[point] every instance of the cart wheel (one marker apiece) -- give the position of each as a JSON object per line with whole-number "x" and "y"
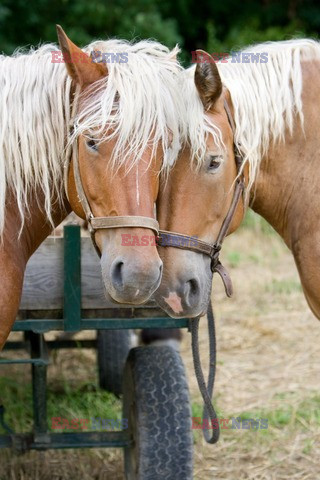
{"x": 156, "y": 406}
{"x": 112, "y": 350}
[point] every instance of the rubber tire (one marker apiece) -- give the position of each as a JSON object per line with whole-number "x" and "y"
{"x": 157, "y": 407}
{"x": 113, "y": 347}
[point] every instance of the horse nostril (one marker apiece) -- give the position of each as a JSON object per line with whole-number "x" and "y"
{"x": 192, "y": 290}
{"x": 116, "y": 274}
{"x": 193, "y": 286}
{"x": 133, "y": 279}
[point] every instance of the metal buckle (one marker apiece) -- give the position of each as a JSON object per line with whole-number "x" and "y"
{"x": 91, "y": 230}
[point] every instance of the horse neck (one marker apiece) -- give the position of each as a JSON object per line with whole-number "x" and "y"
{"x": 285, "y": 192}
{"x": 273, "y": 193}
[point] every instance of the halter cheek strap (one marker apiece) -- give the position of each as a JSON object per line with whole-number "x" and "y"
{"x": 102, "y": 223}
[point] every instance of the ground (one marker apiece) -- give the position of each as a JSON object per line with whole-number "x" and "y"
{"x": 268, "y": 367}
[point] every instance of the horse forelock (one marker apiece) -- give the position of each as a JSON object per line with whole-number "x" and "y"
{"x": 139, "y": 100}
{"x": 138, "y": 104}
{"x": 266, "y": 97}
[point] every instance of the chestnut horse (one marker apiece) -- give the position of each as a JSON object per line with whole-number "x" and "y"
{"x": 125, "y": 130}
{"x": 275, "y": 109}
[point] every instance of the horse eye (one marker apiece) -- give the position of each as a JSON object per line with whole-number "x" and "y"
{"x": 215, "y": 162}
{"x": 92, "y": 144}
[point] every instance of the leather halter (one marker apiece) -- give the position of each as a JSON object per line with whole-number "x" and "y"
{"x": 199, "y": 246}
{"x": 102, "y": 223}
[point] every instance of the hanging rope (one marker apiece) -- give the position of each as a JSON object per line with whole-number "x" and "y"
{"x": 209, "y": 416}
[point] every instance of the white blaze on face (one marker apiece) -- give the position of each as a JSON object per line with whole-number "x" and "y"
{"x": 137, "y": 186}
{"x": 174, "y": 302}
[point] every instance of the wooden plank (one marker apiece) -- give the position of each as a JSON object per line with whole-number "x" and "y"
{"x": 43, "y": 282}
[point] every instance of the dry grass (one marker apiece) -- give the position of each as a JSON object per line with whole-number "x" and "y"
{"x": 268, "y": 361}
{"x": 268, "y": 365}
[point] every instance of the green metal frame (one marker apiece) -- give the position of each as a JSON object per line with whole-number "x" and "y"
{"x": 72, "y": 321}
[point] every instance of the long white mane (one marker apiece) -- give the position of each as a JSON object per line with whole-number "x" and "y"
{"x": 266, "y": 99}
{"x": 140, "y": 100}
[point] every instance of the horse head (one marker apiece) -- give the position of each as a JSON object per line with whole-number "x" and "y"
{"x": 198, "y": 195}
{"x": 125, "y": 131}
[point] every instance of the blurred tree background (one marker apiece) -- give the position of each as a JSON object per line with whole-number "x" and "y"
{"x": 216, "y": 26}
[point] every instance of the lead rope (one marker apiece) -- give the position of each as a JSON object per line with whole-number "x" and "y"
{"x": 209, "y": 416}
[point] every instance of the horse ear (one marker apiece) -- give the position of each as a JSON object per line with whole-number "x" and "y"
{"x": 80, "y": 66}
{"x": 207, "y": 80}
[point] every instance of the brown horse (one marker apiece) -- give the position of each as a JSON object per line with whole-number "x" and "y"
{"x": 275, "y": 109}
{"x": 124, "y": 113}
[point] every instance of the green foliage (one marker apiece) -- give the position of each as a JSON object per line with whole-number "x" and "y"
{"x": 234, "y": 258}
{"x": 84, "y": 401}
{"x": 306, "y": 413}
{"x": 253, "y": 221}
{"x": 83, "y": 21}
{"x": 250, "y": 33}
{"x": 214, "y": 26}
{"x": 286, "y": 287}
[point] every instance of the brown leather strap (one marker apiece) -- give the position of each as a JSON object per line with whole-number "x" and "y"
{"x": 236, "y": 147}
{"x": 225, "y": 277}
{"x": 229, "y": 115}
{"x": 78, "y": 182}
{"x": 185, "y": 242}
{"x": 238, "y": 191}
{"x": 99, "y": 223}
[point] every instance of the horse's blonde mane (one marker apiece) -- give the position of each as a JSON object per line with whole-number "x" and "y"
{"x": 266, "y": 99}
{"x": 140, "y": 100}
{"x": 34, "y": 117}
